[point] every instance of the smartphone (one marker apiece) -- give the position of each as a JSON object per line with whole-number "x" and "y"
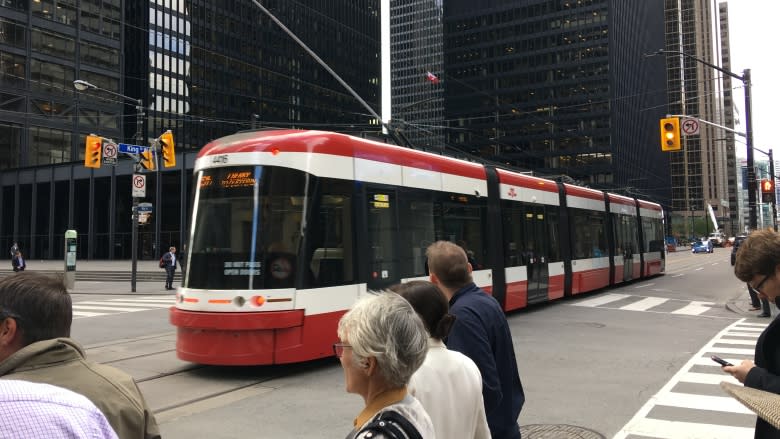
{"x": 720, "y": 361}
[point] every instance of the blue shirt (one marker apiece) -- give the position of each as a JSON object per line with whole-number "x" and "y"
{"x": 481, "y": 332}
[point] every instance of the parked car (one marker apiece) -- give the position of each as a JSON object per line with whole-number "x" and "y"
{"x": 703, "y": 246}
{"x": 737, "y": 241}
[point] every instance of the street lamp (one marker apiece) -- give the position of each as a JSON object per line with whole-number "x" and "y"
{"x": 751, "y": 172}
{"x": 82, "y": 85}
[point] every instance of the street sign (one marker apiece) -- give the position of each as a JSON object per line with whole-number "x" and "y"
{"x": 144, "y": 207}
{"x": 132, "y": 149}
{"x": 109, "y": 153}
{"x": 139, "y": 186}
{"x": 690, "y": 127}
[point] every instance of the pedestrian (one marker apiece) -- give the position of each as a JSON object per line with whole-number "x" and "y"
{"x": 755, "y": 303}
{"x": 14, "y": 249}
{"x": 18, "y": 262}
{"x": 481, "y": 332}
{"x": 36, "y": 313}
{"x": 758, "y": 264}
{"x": 34, "y": 410}
{"x": 448, "y": 384}
{"x": 382, "y": 342}
{"x": 169, "y": 260}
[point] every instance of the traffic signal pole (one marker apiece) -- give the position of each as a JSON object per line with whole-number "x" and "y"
{"x": 139, "y": 137}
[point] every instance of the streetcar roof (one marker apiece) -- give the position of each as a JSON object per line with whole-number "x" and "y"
{"x": 322, "y": 142}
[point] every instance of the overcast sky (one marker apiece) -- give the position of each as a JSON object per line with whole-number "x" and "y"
{"x": 755, "y": 47}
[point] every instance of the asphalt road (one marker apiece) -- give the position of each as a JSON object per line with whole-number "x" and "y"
{"x": 596, "y": 361}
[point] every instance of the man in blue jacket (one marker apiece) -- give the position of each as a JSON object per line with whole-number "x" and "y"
{"x": 480, "y": 332}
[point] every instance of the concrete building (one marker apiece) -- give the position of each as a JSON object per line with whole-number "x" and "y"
{"x": 700, "y": 171}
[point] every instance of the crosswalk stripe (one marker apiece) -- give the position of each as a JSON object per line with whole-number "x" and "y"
{"x": 748, "y": 342}
{"x": 644, "y": 304}
{"x": 143, "y": 304}
{"x": 694, "y": 308}
{"x": 164, "y": 299}
{"x": 657, "y": 428}
{"x": 708, "y": 378}
{"x": 88, "y": 314}
{"x": 108, "y": 308}
{"x": 602, "y": 300}
{"x": 690, "y": 401}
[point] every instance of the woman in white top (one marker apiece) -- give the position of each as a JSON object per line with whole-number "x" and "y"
{"x": 448, "y": 384}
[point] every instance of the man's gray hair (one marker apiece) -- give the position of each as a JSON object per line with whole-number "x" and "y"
{"x": 386, "y": 327}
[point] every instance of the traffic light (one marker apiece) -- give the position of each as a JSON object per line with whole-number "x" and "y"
{"x": 670, "y": 134}
{"x": 93, "y": 151}
{"x": 168, "y": 153}
{"x": 147, "y": 160}
{"x": 767, "y": 189}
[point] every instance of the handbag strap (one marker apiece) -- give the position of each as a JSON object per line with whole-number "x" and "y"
{"x": 392, "y": 425}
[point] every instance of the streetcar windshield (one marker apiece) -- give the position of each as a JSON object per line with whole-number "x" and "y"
{"x": 246, "y": 227}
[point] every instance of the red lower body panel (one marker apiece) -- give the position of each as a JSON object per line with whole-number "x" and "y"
{"x": 584, "y": 281}
{"x": 516, "y": 295}
{"x": 241, "y": 339}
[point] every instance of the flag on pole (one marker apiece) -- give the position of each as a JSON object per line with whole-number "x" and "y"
{"x": 431, "y": 77}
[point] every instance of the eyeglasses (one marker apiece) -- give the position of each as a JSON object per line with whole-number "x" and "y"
{"x": 338, "y": 348}
{"x": 758, "y": 287}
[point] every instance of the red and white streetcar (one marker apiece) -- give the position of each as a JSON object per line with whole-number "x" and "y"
{"x": 290, "y": 227}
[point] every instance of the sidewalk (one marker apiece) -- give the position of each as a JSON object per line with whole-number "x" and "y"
{"x": 741, "y": 305}
{"x": 150, "y": 279}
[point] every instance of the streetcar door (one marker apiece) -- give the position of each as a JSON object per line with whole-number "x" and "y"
{"x": 382, "y": 239}
{"x": 537, "y": 249}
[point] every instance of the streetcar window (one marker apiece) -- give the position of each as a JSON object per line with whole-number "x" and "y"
{"x": 588, "y": 234}
{"x": 625, "y": 231}
{"x": 246, "y": 228}
{"x": 461, "y": 219}
{"x": 329, "y": 235}
{"x": 416, "y": 231}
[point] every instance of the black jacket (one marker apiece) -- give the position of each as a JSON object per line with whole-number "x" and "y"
{"x": 481, "y": 332}
{"x": 766, "y": 374}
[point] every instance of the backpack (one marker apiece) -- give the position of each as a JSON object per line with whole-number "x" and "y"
{"x": 391, "y": 425}
{"x": 162, "y": 262}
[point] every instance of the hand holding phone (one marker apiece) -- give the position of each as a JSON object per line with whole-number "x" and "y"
{"x": 720, "y": 361}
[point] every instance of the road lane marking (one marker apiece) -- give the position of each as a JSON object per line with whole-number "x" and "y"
{"x": 694, "y": 308}
{"x": 644, "y": 304}
{"x": 107, "y": 308}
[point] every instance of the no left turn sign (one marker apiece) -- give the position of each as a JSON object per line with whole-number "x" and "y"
{"x": 139, "y": 185}
{"x": 690, "y": 127}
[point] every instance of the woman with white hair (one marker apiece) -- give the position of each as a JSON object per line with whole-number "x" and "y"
{"x": 383, "y": 342}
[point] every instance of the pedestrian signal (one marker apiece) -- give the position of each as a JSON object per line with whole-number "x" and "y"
{"x": 767, "y": 186}
{"x": 147, "y": 160}
{"x": 166, "y": 146}
{"x": 670, "y": 134}
{"x": 93, "y": 151}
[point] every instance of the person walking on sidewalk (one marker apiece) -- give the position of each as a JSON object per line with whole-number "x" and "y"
{"x": 169, "y": 260}
{"x": 18, "y": 262}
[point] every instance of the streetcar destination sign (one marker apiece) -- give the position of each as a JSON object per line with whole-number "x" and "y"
{"x": 132, "y": 149}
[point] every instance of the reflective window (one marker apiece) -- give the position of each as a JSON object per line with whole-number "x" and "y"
{"x": 50, "y": 77}
{"x": 48, "y": 146}
{"x": 15, "y": 4}
{"x": 99, "y": 55}
{"x": 11, "y": 141}
{"x": 12, "y": 32}
{"x": 51, "y": 43}
{"x": 588, "y": 234}
{"x": 12, "y": 69}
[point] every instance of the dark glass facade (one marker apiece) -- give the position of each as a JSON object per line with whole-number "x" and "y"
{"x": 561, "y": 88}
{"x": 202, "y": 69}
